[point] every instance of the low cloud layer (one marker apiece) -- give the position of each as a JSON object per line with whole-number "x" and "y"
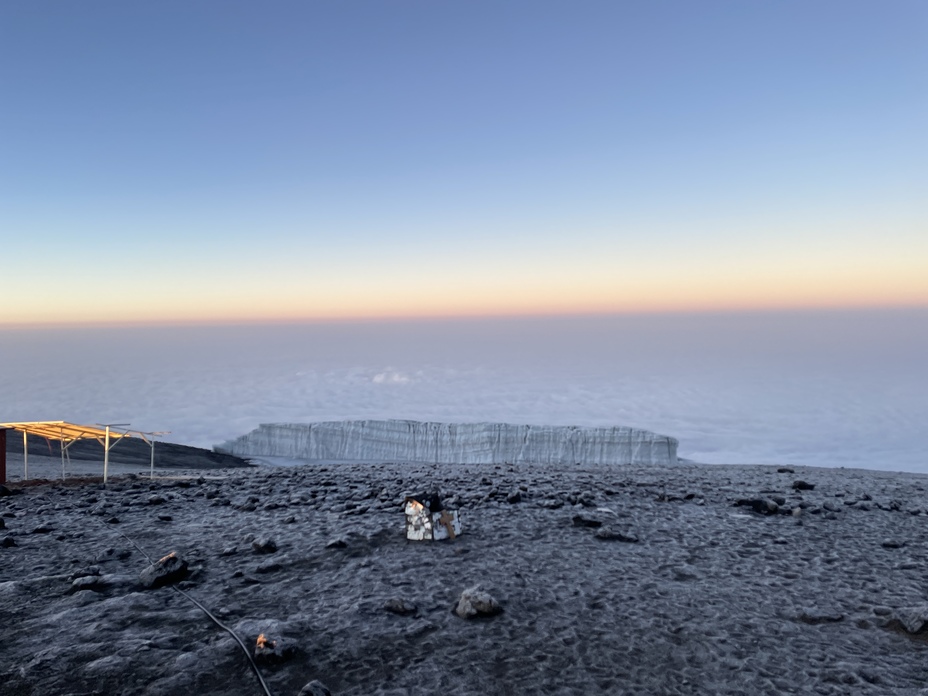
{"x": 827, "y": 389}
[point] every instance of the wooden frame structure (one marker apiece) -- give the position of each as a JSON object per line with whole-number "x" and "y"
{"x": 108, "y": 435}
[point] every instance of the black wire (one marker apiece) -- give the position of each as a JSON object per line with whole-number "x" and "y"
{"x": 206, "y": 611}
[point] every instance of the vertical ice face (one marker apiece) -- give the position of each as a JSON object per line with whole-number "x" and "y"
{"x": 455, "y": 443}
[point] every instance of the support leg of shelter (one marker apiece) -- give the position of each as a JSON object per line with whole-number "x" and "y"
{"x": 152, "y": 443}
{"x": 25, "y": 456}
{"x": 106, "y": 454}
{"x": 2, "y": 456}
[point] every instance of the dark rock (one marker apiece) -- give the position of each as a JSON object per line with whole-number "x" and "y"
{"x": 400, "y": 606}
{"x": 820, "y": 617}
{"x": 274, "y": 650}
{"x": 800, "y": 485}
{"x": 785, "y": 470}
{"x": 892, "y": 544}
{"x": 762, "y": 506}
{"x": 338, "y": 543}
{"x": 155, "y": 500}
{"x": 165, "y": 518}
{"x": 514, "y": 497}
{"x": 112, "y": 520}
{"x": 315, "y": 688}
{"x": 2, "y": 523}
{"x": 43, "y": 529}
{"x": 289, "y": 519}
{"x": 264, "y": 544}
{"x": 7, "y": 542}
{"x": 475, "y": 602}
{"x": 165, "y": 571}
{"x": 582, "y": 521}
{"x": 4, "y": 491}
{"x": 551, "y": 504}
{"x": 606, "y": 534}
{"x": 829, "y": 506}
{"x": 228, "y": 551}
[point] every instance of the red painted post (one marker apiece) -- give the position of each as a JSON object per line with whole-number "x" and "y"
{"x": 2, "y": 455}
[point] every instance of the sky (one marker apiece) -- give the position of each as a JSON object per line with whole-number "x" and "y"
{"x": 227, "y": 161}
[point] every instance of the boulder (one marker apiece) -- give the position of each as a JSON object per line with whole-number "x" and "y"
{"x": 264, "y": 544}
{"x": 165, "y": 571}
{"x": 315, "y": 688}
{"x": 475, "y": 602}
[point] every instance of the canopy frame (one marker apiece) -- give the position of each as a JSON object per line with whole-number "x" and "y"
{"x": 107, "y": 434}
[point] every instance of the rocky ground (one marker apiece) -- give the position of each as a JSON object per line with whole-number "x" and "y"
{"x": 626, "y": 580}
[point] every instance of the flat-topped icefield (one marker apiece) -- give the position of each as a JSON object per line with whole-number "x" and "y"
{"x": 712, "y": 598}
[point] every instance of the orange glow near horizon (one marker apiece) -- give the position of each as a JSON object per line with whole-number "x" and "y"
{"x": 581, "y": 284}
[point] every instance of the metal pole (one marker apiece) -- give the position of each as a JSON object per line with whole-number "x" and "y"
{"x": 25, "y": 455}
{"x": 2, "y": 456}
{"x": 152, "y": 443}
{"x": 106, "y": 454}
{"x": 61, "y": 444}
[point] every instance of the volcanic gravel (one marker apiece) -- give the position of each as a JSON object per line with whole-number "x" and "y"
{"x": 691, "y": 579}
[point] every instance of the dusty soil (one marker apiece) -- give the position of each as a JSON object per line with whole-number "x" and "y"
{"x": 684, "y": 593}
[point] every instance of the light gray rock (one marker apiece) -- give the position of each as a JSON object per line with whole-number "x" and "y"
{"x": 475, "y": 601}
{"x": 914, "y": 619}
{"x": 455, "y": 443}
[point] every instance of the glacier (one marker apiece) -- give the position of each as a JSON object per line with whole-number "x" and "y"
{"x": 454, "y": 443}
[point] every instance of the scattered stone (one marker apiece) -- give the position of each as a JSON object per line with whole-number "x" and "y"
{"x": 339, "y": 543}
{"x": 155, "y": 500}
{"x": 264, "y": 544}
{"x": 913, "y": 619}
{"x": 42, "y": 529}
{"x": 583, "y": 521}
{"x": 400, "y": 606}
{"x": 880, "y": 610}
{"x": 96, "y": 583}
{"x": 820, "y": 617}
{"x": 801, "y": 485}
{"x": 2, "y": 523}
{"x": 550, "y": 504}
{"x": 112, "y": 520}
{"x": 268, "y": 651}
{"x": 4, "y": 491}
{"x": 892, "y": 544}
{"x": 607, "y": 534}
{"x": 229, "y": 551}
{"x": 475, "y": 602}
{"x": 8, "y": 542}
{"x": 785, "y": 470}
{"x": 289, "y": 519}
{"x": 315, "y": 688}
{"x": 762, "y": 506}
{"x": 165, "y": 571}
{"x": 165, "y": 518}
{"x": 514, "y": 497}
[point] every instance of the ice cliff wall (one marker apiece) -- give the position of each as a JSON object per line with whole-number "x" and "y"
{"x": 454, "y": 443}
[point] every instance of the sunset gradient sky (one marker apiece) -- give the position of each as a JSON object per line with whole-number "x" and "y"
{"x": 225, "y": 161}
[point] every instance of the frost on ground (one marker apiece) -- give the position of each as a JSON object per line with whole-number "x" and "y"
{"x": 609, "y": 580}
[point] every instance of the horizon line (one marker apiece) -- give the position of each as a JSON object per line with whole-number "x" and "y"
{"x": 463, "y": 316}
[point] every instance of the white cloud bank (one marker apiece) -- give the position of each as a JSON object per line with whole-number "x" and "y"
{"x": 828, "y": 389}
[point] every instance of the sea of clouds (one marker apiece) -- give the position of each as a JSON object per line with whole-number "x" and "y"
{"x": 820, "y": 388}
